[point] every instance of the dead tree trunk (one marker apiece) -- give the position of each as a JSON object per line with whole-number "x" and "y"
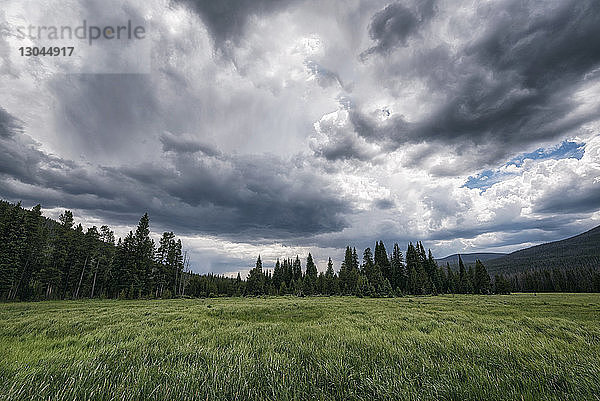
{"x": 95, "y": 273}
{"x": 81, "y": 278}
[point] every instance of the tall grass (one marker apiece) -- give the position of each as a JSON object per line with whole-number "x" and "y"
{"x": 421, "y": 348}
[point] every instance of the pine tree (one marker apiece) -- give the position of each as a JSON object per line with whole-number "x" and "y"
{"x": 398, "y": 271}
{"x": 165, "y": 264}
{"x": 123, "y": 267}
{"x": 463, "y": 286}
{"x": 278, "y": 275}
{"x": 143, "y": 262}
{"x": 102, "y": 272}
{"x": 501, "y": 285}
{"x": 433, "y": 273}
{"x": 297, "y": 269}
{"x": 481, "y": 281}
{"x": 310, "y": 279}
{"x": 423, "y": 270}
{"x": 255, "y": 283}
{"x": 470, "y": 278}
{"x": 287, "y": 272}
{"x": 355, "y": 265}
{"x": 64, "y": 246}
{"x": 380, "y": 285}
{"x": 363, "y": 288}
{"x": 452, "y": 281}
{"x": 11, "y": 248}
{"x": 31, "y": 251}
{"x": 329, "y": 278}
{"x": 381, "y": 259}
{"x": 346, "y": 272}
{"x": 368, "y": 264}
{"x": 283, "y": 288}
{"x": 418, "y": 279}
{"x": 413, "y": 281}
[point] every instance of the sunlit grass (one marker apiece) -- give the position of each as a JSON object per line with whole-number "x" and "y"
{"x": 420, "y": 348}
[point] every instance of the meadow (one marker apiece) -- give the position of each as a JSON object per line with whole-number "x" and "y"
{"x": 462, "y": 347}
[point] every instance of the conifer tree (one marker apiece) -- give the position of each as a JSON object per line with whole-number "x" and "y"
{"x": 329, "y": 278}
{"x": 165, "y": 264}
{"x": 277, "y": 275}
{"x": 451, "y": 279}
{"x": 368, "y": 264}
{"x": 320, "y": 287}
{"x": 462, "y": 277}
{"x": 433, "y": 273}
{"x": 470, "y": 279}
{"x": 417, "y": 275}
{"x": 283, "y": 288}
{"x": 310, "y": 279}
{"x": 381, "y": 259}
{"x": 11, "y": 247}
{"x": 30, "y": 252}
{"x": 64, "y": 257}
{"x": 143, "y": 262}
{"x": 501, "y": 285}
{"x": 355, "y": 264}
{"x": 398, "y": 271}
{"x": 481, "y": 281}
{"x": 255, "y": 283}
{"x": 345, "y": 272}
{"x": 297, "y": 269}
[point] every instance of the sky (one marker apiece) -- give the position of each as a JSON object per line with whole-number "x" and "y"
{"x": 282, "y": 127}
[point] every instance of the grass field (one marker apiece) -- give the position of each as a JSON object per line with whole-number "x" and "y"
{"x": 544, "y": 347}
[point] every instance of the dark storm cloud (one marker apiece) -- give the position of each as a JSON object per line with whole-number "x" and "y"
{"x": 549, "y": 224}
{"x": 9, "y": 125}
{"x": 535, "y": 61}
{"x": 507, "y": 89}
{"x": 570, "y": 200}
{"x": 18, "y": 156}
{"x": 179, "y": 144}
{"x": 392, "y": 26}
{"x": 105, "y": 113}
{"x": 226, "y": 19}
{"x": 262, "y": 196}
{"x": 384, "y": 204}
{"x": 251, "y": 194}
{"x": 343, "y": 148}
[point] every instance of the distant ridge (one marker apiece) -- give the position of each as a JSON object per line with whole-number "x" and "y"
{"x": 582, "y": 250}
{"x": 469, "y": 258}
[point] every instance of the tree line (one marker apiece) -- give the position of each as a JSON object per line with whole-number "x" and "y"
{"x": 378, "y": 275}
{"x": 41, "y": 258}
{"x": 557, "y": 279}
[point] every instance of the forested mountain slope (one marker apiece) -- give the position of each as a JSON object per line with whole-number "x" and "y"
{"x": 469, "y": 258}
{"x": 580, "y": 251}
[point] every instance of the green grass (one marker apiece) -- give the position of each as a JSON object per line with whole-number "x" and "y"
{"x": 544, "y": 347}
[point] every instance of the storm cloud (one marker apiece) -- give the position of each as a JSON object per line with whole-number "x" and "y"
{"x": 227, "y": 19}
{"x": 514, "y": 85}
{"x": 204, "y": 192}
{"x": 395, "y": 24}
{"x": 282, "y": 127}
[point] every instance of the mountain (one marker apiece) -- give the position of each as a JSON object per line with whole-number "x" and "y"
{"x": 582, "y": 250}
{"x": 469, "y": 258}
